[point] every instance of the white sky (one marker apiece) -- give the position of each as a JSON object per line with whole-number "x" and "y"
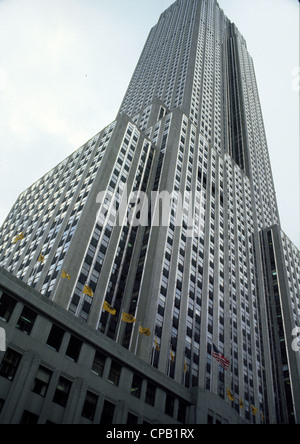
{"x": 65, "y": 66}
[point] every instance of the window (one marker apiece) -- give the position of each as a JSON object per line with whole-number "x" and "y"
{"x": 29, "y": 418}
{"x": 181, "y": 412}
{"x": 136, "y": 386}
{"x": 150, "y": 394}
{"x": 74, "y": 348}
{"x": 10, "y": 364}
{"x": 115, "y": 373}
{"x": 98, "y": 364}
{"x": 162, "y": 113}
{"x": 26, "y": 320}
{"x": 170, "y": 402}
{"x": 107, "y": 413}
{"x": 210, "y": 419}
{"x": 42, "y": 380}
{"x": 90, "y": 405}
{"x": 7, "y": 305}
{"x": 62, "y": 392}
{"x": 1, "y": 404}
{"x": 132, "y": 419}
{"x": 55, "y": 337}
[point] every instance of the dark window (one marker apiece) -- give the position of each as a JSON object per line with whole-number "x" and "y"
{"x": 26, "y": 320}
{"x": 136, "y": 387}
{"x": 181, "y": 412}
{"x": 29, "y": 418}
{"x": 62, "y": 392}
{"x": 107, "y": 413}
{"x": 10, "y": 364}
{"x": 55, "y": 337}
{"x": 150, "y": 394}
{"x": 1, "y": 404}
{"x": 162, "y": 113}
{"x": 90, "y": 405}
{"x": 7, "y": 305}
{"x": 132, "y": 419}
{"x": 98, "y": 364}
{"x": 115, "y": 373}
{"x": 170, "y": 401}
{"x": 42, "y": 381}
{"x": 210, "y": 419}
{"x": 74, "y": 348}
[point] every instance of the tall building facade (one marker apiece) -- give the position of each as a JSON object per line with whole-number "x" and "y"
{"x": 281, "y": 261}
{"x": 190, "y": 127}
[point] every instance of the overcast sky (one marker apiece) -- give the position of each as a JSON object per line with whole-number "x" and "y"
{"x": 65, "y": 66}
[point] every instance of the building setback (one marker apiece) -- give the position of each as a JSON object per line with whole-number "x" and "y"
{"x": 190, "y": 127}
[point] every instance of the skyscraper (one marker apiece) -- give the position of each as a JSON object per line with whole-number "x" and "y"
{"x": 183, "y": 300}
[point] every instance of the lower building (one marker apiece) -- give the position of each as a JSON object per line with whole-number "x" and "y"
{"x": 54, "y": 369}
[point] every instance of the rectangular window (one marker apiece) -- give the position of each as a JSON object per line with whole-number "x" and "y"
{"x": 115, "y": 373}
{"x": 107, "y": 413}
{"x": 98, "y": 364}
{"x": 132, "y": 419}
{"x": 62, "y": 392}
{"x": 7, "y": 305}
{"x": 10, "y": 364}
{"x": 136, "y": 387}
{"x": 29, "y": 418}
{"x": 170, "y": 402}
{"x": 90, "y": 405}
{"x": 55, "y": 337}
{"x": 181, "y": 412}
{"x": 150, "y": 394}
{"x": 42, "y": 381}
{"x": 210, "y": 419}
{"x": 26, "y": 320}
{"x": 2, "y": 401}
{"x": 74, "y": 348}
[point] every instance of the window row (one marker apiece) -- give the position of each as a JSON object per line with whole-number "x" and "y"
{"x": 102, "y": 365}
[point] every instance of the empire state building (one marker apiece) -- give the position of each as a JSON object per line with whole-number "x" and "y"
{"x": 201, "y": 308}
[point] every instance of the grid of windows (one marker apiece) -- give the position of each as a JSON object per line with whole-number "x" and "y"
{"x": 263, "y": 182}
{"x": 90, "y": 273}
{"x": 225, "y": 247}
{"x": 58, "y": 387}
{"x": 97, "y": 248}
{"x": 206, "y": 100}
{"x": 163, "y": 65}
{"x": 292, "y": 262}
{"x": 48, "y": 213}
